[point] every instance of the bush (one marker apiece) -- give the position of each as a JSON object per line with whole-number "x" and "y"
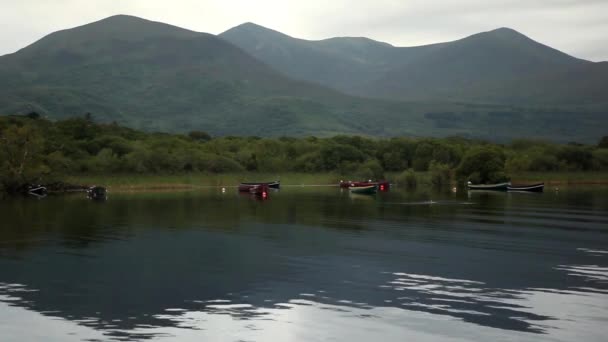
{"x": 21, "y": 157}
{"x": 517, "y": 163}
{"x": 543, "y": 162}
{"x": 199, "y": 136}
{"x": 483, "y": 164}
{"x": 575, "y": 158}
{"x": 105, "y": 161}
{"x": 408, "y": 178}
{"x": 371, "y": 169}
{"x": 600, "y": 159}
{"x": 423, "y": 156}
{"x": 440, "y": 174}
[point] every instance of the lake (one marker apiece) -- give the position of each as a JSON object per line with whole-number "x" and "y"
{"x": 309, "y": 264}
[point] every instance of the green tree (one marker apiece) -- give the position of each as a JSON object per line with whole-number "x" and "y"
{"x": 396, "y": 154}
{"x": 408, "y": 178}
{"x": 331, "y": 155}
{"x": 575, "y": 158}
{"x": 517, "y": 162}
{"x": 446, "y": 154}
{"x": 371, "y": 169}
{"x": 600, "y": 159}
{"x": 482, "y": 164}
{"x": 441, "y": 174}
{"x": 21, "y": 157}
{"x": 423, "y": 156}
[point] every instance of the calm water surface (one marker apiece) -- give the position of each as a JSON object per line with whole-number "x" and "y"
{"x": 310, "y": 264}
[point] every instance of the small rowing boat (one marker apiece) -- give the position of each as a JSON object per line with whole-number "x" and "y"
{"x": 272, "y": 185}
{"x": 37, "y": 190}
{"x": 255, "y": 189}
{"x": 383, "y": 185}
{"x": 494, "y": 187}
{"x": 367, "y": 189}
{"x": 529, "y": 188}
{"x": 98, "y": 193}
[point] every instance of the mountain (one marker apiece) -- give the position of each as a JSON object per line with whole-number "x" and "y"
{"x": 159, "y": 77}
{"x": 334, "y": 62}
{"x": 585, "y": 85}
{"x": 486, "y": 59}
{"x": 453, "y": 71}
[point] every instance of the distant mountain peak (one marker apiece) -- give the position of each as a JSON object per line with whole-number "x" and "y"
{"x": 122, "y": 17}
{"x": 505, "y": 30}
{"x": 505, "y": 33}
{"x": 117, "y": 27}
{"x": 250, "y": 27}
{"x": 356, "y": 41}
{"x": 132, "y": 24}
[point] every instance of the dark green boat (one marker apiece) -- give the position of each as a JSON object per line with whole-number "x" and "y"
{"x": 370, "y": 189}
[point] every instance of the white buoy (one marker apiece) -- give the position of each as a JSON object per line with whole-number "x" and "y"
{"x": 223, "y": 189}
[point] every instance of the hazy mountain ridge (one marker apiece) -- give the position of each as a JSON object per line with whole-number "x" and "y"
{"x": 445, "y": 71}
{"x": 159, "y": 77}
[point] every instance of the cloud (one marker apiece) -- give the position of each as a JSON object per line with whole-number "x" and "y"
{"x": 577, "y": 27}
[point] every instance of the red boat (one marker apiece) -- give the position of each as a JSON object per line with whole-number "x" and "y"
{"x": 255, "y": 189}
{"x": 383, "y": 185}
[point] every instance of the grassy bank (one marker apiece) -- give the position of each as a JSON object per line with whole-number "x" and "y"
{"x": 136, "y": 182}
{"x": 562, "y": 178}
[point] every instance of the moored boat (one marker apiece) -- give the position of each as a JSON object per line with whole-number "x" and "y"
{"x": 494, "y": 187}
{"x": 255, "y": 189}
{"x": 37, "y": 190}
{"x": 529, "y": 188}
{"x": 98, "y": 193}
{"x": 366, "y": 189}
{"x": 383, "y": 185}
{"x": 272, "y": 185}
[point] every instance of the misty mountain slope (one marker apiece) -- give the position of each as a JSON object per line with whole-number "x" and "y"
{"x": 154, "y": 76}
{"x": 334, "y": 62}
{"x": 485, "y": 59}
{"x": 555, "y": 88}
{"x": 446, "y": 71}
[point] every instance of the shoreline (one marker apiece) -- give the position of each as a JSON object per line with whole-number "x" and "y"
{"x": 125, "y": 183}
{"x": 190, "y": 182}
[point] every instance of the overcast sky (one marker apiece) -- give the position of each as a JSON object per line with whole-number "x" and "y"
{"x": 577, "y": 27}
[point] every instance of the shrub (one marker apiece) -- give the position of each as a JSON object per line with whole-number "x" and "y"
{"x": 408, "y": 178}
{"x": 600, "y": 159}
{"x": 371, "y": 169}
{"x": 482, "y": 164}
{"x": 440, "y": 174}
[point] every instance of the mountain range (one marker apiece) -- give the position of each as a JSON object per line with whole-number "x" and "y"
{"x": 251, "y": 80}
{"x": 499, "y": 66}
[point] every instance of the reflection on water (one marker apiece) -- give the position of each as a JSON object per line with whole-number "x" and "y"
{"x": 308, "y": 264}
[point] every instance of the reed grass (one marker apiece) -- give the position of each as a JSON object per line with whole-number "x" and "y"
{"x": 194, "y": 180}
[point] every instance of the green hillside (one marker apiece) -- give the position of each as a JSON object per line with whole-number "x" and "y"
{"x": 158, "y": 77}
{"x": 486, "y": 67}
{"x": 492, "y": 59}
{"x": 338, "y": 62}
{"x": 584, "y": 85}
{"x": 164, "y": 79}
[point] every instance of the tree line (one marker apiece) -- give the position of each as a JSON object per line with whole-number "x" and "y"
{"x": 35, "y": 150}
